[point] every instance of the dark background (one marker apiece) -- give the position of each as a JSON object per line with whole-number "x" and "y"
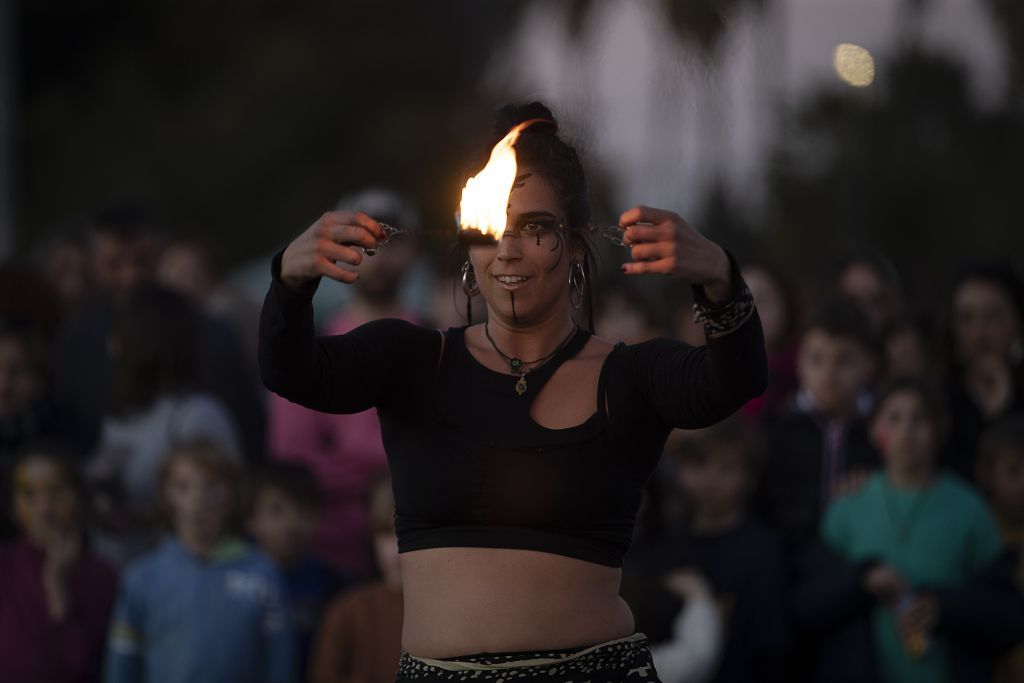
{"x": 242, "y": 121}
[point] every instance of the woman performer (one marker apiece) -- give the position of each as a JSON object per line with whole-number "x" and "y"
{"x": 519, "y": 447}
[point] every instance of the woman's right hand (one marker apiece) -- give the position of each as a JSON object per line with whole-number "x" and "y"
{"x": 316, "y": 252}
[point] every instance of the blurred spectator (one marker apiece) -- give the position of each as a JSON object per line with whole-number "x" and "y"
{"x": 27, "y": 411}
{"x": 63, "y": 259}
{"x": 911, "y": 529}
{"x": 986, "y": 379}
{"x": 345, "y": 452}
{"x": 820, "y": 445}
{"x": 777, "y": 306}
{"x": 204, "y": 606}
{"x": 871, "y": 280}
{"x": 909, "y": 351}
{"x": 156, "y": 405}
{"x": 56, "y": 596}
{"x": 361, "y": 637}
{"x": 124, "y": 246}
{"x": 28, "y": 301}
{"x": 630, "y": 315}
{"x": 1001, "y": 475}
{"x": 742, "y": 560}
{"x": 188, "y": 267}
{"x": 285, "y": 506}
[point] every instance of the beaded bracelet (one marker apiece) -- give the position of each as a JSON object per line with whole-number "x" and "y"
{"x": 719, "y": 318}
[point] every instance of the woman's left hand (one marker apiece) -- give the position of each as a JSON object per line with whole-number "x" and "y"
{"x": 662, "y": 242}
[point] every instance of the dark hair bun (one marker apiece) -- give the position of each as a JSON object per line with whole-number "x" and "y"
{"x": 511, "y": 115}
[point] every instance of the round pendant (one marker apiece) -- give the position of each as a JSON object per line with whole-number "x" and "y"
{"x": 515, "y": 364}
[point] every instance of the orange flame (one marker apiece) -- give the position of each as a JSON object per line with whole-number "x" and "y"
{"x": 485, "y": 197}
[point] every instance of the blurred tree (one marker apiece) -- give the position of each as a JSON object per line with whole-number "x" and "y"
{"x": 248, "y": 118}
{"x": 910, "y": 166}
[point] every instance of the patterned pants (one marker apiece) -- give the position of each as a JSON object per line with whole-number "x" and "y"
{"x": 626, "y": 660}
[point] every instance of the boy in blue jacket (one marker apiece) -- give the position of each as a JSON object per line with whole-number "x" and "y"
{"x": 203, "y": 606}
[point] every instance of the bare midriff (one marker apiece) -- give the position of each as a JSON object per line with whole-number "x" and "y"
{"x": 462, "y": 601}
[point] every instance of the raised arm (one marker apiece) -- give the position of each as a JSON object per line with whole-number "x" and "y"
{"x": 687, "y": 386}
{"x": 339, "y": 374}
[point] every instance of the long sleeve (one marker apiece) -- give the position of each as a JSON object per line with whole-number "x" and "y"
{"x": 690, "y": 387}
{"x": 336, "y": 374}
{"x": 78, "y": 641}
{"x": 692, "y": 654}
{"x": 278, "y": 644}
{"x": 686, "y": 386}
{"x": 125, "y": 642}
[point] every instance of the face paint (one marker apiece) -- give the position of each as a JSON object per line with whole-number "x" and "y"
{"x": 520, "y": 181}
{"x": 559, "y": 244}
{"x": 512, "y": 296}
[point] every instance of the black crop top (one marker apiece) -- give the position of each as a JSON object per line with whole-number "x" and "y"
{"x": 469, "y": 465}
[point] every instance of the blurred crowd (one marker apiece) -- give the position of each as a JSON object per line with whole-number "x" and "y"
{"x": 168, "y": 520}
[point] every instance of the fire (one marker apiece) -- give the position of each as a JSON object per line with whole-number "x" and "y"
{"x": 485, "y": 196}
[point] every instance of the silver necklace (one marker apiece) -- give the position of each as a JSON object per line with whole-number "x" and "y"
{"x": 518, "y": 365}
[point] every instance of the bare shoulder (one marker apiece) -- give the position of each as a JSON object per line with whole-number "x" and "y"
{"x": 596, "y": 348}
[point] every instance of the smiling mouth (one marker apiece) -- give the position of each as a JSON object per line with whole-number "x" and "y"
{"x": 511, "y": 280}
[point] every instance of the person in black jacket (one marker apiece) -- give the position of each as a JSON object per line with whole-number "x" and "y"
{"x": 819, "y": 446}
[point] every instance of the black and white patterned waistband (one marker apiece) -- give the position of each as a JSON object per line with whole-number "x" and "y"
{"x": 623, "y": 659}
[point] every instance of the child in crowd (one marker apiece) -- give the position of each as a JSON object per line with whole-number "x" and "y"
{"x": 27, "y": 411}
{"x": 819, "y": 445}
{"x": 908, "y": 349}
{"x": 872, "y": 281}
{"x": 741, "y": 559}
{"x": 203, "y": 606}
{"x": 155, "y": 406}
{"x": 55, "y": 596}
{"x": 777, "y": 306}
{"x": 361, "y": 637}
{"x": 285, "y": 505}
{"x": 985, "y": 378}
{"x": 910, "y": 528}
{"x": 1000, "y": 472}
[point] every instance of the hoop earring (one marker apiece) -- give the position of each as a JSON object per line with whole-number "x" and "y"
{"x": 577, "y": 284}
{"x": 469, "y": 285}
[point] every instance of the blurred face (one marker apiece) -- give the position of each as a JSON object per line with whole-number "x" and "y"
{"x": 45, "y": 504}
{"x": 283, "y": 528}
{"x": 184, "y": 269}
{"x": 199, "y": 503}
{"x": 20, "y": 383}
{"x": 718, "y": 485}
{"x": 904, "y": 433}
{"x": 67, "y": 268}
{"x": 120, "y": 265}
{"x": 861, "y": 283}
{"x": 620, "y": 321}
{"x": 1004, "y": 483}
{"x": 525, "y": 278}
{"x": 985, "y": 322}
{"x": 834, "y": 370}
{"x": 906, "y": 354}
{"x": 385, "y": 549}
{"x": 380, "y": 275}
{"x": 771, "y": 306}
